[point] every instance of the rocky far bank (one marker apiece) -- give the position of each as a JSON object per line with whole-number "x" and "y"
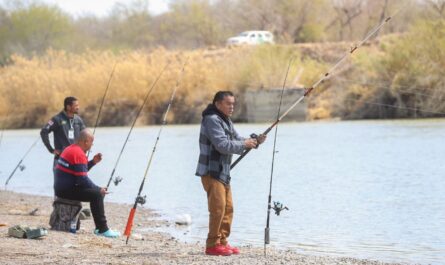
{"x": 145, "y": 247}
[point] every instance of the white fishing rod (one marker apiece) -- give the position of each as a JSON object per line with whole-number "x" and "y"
{"x": 320, "y": 81}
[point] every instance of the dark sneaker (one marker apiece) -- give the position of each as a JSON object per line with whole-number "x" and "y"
{"x": 235, "y": 250}
{"x": 218, "y": 250}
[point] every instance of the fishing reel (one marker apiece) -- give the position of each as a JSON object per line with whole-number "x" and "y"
{"x": 117, "y": 180}
{"x": 278, "y": 207}
{"x": 22, "y": 167}
{"x": 255, "y": 136}
{"x": 141, "y": 199}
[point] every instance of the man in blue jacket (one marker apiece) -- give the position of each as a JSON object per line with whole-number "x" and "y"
{"x": 218, "y": 140}
{"x": 72, "y": 181}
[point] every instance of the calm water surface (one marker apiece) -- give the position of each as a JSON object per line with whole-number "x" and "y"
{"x": 368, "y": 189}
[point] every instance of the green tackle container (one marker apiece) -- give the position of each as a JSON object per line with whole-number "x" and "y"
{"x": 17, "y": 231}
{"x": 36, "y": 232}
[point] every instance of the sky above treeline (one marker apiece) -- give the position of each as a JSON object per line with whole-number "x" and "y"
{"x": 103, "y": 7}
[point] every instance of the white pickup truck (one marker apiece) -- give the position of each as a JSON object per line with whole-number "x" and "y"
{"x": 251, "y": 38}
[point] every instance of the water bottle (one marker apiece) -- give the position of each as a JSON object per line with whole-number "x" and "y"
{"x": 73, "y": 226}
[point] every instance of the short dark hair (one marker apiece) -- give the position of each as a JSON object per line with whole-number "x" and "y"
{"x": 220, "y": 95}
{"x": 68, "y": 102}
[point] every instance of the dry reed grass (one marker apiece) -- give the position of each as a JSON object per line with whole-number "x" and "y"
{"x": 33, "y": 89}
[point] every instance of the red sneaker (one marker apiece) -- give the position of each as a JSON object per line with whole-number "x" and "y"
{"x": 234, "y": 250}
{"x": 218, "y": 250}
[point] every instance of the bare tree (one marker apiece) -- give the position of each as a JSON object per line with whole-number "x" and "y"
{"x": 289, "y": 23}
{"x": 258, "y": 14}
{"x": 347, "y": 11}
{"x": 377, "y": 11}
{"x": 438, "y": 6}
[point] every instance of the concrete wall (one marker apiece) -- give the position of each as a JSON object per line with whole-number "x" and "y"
{"x": 262, "y": 105}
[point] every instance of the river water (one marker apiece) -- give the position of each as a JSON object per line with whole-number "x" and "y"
{"x": 365, "y": 189}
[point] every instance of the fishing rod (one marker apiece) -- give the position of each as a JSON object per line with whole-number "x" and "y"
{"x": 399, "y": 89}
{"x": 4, "y": 126}
{"x": 19, "y": 164}
{"x": 278, "y": 207}
{"x": 397, "y": 107}
{"x": 102, "y": 103}
{"x": 118, "y": 179}
{"x": 405, "y": 90}
{"x": 1, "y": 135}
{"x": 394, "y": 88}
{"x": 139, "y": 198}
{"x": 316, "y": 84}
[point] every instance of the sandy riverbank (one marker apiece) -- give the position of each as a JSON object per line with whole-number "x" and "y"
{"x": 146, "y": 248}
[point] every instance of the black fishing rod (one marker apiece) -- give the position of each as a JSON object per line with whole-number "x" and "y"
{"x": 1, "y": 135}
{"x": 19, "y": 164}
{"x": 139, "y": 198}
{"x": 4, "y": 126}
{"x": 102, "y": 103}
{"x": 278, "y": 207}
{"x": 316, "y": 84}
{"x": 118, "y": 179}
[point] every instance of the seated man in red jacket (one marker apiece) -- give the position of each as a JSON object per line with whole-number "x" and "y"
{"x": 72, "y": 182}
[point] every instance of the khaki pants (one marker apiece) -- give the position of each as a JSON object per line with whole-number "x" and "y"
{"x": 219, "y": 197}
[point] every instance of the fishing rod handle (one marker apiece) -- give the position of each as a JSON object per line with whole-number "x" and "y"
{"x": 239, "y": 158}
{"x": 248, "y": 150}
{"x": 266, "y": 236}
{"x": 130, "y": 220}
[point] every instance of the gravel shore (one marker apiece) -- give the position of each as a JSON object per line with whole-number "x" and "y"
{"x": 144, "y": 247}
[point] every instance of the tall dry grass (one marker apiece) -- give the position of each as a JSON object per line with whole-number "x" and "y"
{"x": 33, "y": 89}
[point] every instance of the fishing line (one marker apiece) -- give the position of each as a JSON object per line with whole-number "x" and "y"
{"x": 118, "y": 179}
{"x": 102, "y": 103}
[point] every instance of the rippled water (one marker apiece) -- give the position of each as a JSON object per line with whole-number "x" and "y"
{"x": 368, "y": 189}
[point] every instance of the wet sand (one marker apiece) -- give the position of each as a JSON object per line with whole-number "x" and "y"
{"x": 145, "y": 247}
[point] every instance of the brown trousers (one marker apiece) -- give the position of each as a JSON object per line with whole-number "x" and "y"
{"x": 219, "y": 198}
